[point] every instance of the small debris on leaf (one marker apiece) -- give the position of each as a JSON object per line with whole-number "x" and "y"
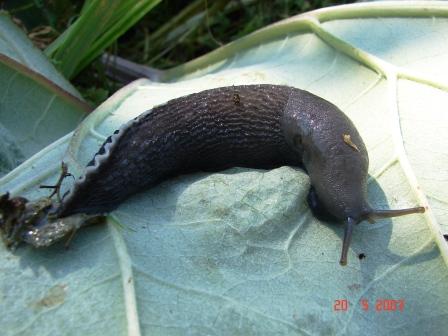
{"x": 348, "y": 140}
{"x": 236, "y": 98}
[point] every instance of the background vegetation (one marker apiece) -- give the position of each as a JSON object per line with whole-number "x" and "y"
{"x": 159, "y": 34}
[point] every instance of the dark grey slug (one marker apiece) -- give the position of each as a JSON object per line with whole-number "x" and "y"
{"x": 255, "y": 126}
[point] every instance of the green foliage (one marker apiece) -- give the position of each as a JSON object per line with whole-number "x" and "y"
{"x": 99, "y": 24}
{"x": 204, "y": 26}
{"x": 169, "y": 34}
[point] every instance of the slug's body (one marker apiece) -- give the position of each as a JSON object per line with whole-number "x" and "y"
{"x": 269, "y": 126}
{"x": 203, "y": 131}
{"x": 256, "y": 126}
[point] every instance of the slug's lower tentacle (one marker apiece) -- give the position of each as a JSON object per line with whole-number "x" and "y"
{"x": 350, "y": 223}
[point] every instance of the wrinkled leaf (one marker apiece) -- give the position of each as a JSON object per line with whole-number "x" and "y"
{"x": 37, "y": 105}
{"x": 238, "y": 252}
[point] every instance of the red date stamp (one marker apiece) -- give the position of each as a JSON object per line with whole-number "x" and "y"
{"x": 340, "y": 305}
{"x": 379, "y": 305}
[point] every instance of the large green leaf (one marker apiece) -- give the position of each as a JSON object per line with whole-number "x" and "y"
{"x": 37, "y": 105}
{"x": 238, "y": 252}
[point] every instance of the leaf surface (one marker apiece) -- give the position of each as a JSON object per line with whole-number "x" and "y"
{"x": 238, "y": 252}
{"x": 37, "y": 105}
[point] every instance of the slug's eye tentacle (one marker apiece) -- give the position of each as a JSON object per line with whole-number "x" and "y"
{"x": 374, "y": 214}
{"x": 349, "y": 224}
{"x": 371, "y": 216}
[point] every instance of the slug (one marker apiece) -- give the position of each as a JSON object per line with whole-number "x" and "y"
{"x": 254, "y": 126}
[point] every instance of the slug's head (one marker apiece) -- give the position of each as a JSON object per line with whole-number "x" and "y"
{"x": 332, "y": 152}
{"x": 340, "y": 181}
{"x": 335, "y": 158}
